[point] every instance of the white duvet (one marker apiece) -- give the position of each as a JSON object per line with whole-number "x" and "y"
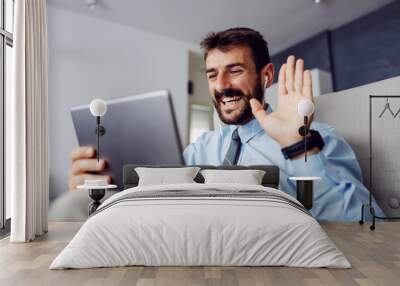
{"x": 183, "y": 231}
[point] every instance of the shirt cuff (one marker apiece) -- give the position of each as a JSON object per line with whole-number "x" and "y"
{"x": 315, "y": 166}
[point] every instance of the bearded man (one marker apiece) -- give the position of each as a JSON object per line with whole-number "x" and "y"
{"x": 238, "y": 70}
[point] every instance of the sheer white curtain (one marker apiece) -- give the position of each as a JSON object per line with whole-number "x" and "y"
{"x": 28, "y": 157}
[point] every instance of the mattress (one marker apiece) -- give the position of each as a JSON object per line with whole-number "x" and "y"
{"x": 201, "y": 225}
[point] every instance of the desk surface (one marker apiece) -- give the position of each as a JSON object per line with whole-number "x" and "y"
{"x": 374, "y": 255}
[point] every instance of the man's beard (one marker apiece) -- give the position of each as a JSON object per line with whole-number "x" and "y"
{"x": 245, "y": 114}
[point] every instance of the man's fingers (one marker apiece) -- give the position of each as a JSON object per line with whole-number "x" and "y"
{"x": 258, "y": 109}
{"x": 86, "y": 166}
{"x": 80, "y": 180}
{"x": 290, "y": 73}
{"x": 307, "y": 86}
{"x": 298, "y": 80}
{"x": 282, "y": 80}
{"x": 83, "y": 152}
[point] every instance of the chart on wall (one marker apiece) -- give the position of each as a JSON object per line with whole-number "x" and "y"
{"x": 385, "y": 152}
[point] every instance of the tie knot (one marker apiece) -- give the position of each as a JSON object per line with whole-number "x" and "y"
{"x": 235, "y": 135}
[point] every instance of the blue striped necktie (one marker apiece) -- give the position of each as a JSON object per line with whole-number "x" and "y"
{"x": 234, "y": 149}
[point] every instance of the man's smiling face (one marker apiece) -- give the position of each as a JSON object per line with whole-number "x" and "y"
{"x": 233, "y": 80}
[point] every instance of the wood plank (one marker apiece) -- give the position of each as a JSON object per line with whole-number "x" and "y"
{"x": 374, "y": 255}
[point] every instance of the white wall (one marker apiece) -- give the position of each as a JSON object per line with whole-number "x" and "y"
{"x": 348, "y": 112}
{"x": 91, "y": 58}
{"x": 201, "y": 107}
{"x": 197, "y": 74}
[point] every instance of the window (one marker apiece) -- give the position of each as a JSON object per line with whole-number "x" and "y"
{"x": 6, "y": 44}
{"x": 200, "y": 120}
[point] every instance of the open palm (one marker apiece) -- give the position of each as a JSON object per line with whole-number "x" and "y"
{"x": 294, "y": 84}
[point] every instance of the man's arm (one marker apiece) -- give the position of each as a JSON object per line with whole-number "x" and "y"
{"x": 340, "y": 193}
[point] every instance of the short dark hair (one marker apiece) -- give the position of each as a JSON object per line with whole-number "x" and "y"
{"x": 239, "y": 37}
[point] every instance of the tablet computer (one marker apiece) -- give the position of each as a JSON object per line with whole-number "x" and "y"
{"x": 140, "y": 129}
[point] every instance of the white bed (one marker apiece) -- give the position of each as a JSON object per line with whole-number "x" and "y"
{"x": 225, "y": 225}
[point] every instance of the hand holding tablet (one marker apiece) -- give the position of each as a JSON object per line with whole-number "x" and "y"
{"x": 141, "y": 129}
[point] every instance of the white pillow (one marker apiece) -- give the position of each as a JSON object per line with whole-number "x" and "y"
{"x": 248, "y": 177}
{"x": 162, "y": 176}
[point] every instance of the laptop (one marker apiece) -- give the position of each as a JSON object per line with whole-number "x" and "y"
{"x": 140, "y": 129}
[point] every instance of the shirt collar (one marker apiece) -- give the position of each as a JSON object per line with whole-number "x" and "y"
{"x": 250, "y": 129}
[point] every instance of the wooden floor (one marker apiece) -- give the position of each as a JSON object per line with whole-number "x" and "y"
{"x": 374, "y": 255}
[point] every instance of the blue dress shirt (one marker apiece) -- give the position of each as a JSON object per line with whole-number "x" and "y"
{"x": 337, "y": 197}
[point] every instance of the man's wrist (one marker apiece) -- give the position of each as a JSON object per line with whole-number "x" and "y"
{"x": 314, "y": 144}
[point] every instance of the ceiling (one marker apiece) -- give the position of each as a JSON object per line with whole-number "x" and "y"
{"x": 282, "y": 22}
